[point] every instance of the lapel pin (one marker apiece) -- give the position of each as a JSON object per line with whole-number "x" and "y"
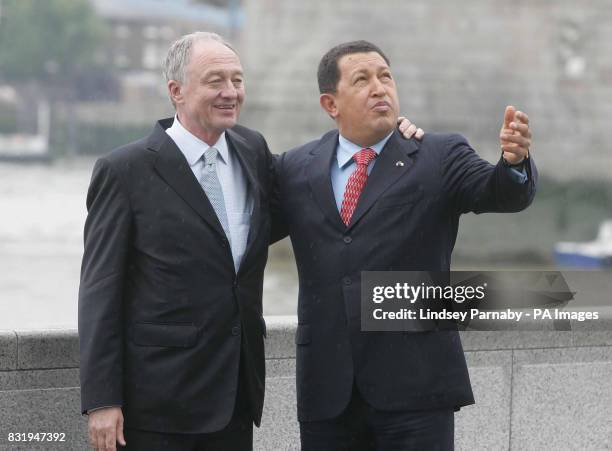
{"x": 399, "y": 164}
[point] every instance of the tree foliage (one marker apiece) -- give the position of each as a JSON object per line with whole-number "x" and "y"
{"x": 47, "y": 40}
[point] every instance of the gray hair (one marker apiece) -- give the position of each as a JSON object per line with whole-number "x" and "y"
{"x": 180, "y": 51}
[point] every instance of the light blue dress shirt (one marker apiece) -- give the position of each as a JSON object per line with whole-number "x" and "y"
{"x": 345, "y": 165}
{"x": 234, "y": 184}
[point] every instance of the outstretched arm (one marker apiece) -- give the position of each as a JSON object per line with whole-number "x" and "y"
{"x": 473, "y": 184}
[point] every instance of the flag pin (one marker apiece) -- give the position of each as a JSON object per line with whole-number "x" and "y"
{"x": 399, "y": 164}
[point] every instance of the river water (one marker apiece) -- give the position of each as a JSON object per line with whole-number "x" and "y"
{"x": 42, "y": 212}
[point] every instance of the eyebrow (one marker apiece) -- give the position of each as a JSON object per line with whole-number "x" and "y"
{"x": 378, "y": 68}
{"x": 221, "y": 73}
{"x": 359, "y": 71}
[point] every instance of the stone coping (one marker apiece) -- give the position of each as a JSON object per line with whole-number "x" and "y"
{"x": 59, "y": 348}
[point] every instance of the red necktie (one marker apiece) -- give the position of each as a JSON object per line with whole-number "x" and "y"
{"x": 355, "y": 184}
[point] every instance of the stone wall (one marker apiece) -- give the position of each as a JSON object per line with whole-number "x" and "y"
{"x": 534, "y": 390}
{"x": 457, "y": 64}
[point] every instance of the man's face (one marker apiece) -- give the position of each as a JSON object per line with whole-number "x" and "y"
{"x": 366, "y": 103}
{"x": 213, "y": 90}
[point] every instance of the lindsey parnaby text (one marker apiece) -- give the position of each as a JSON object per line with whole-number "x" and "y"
{"x": 478, "y": 314}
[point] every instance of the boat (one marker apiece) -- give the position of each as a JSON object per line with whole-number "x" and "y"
{"x": 28, "y": 147}
{"x": 596, "y": 254}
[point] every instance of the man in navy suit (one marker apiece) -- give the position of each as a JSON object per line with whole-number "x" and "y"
{"x": 363, "y": 199}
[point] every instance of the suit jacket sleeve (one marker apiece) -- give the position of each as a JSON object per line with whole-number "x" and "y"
{"x": 279, "y": 226}
{"x": 107, "y": 239}
{"x": 475, "y": 185}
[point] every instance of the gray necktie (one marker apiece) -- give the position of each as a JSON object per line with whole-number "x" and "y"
{"x": 212, "y": 187}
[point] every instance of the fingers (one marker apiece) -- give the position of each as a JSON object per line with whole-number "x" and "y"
{"x": 93, "y": 440}
{"x": 509, "y": 116}
{"x": 515, "y": 136}
{"x": 523, "y": 129}
{"x": 120, "y": 437}
{"x": 111, "y": 439}
{"x": 408, "y": 129}
{"x": 106, "y": 440}
{"x": 514, "y": 153}
{"x": 404, "y": 125}
{"x": 96, "y": 438}
{"x": 516, "y": 139}
{"x": 512, "y": 115}
{"x": 105, "y": 428}
{"x": 522, "y": 117}
{"x": 101, "y": 441}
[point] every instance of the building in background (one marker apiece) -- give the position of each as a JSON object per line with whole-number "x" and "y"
{"x": 113, "y": 97}
{"x": 140, "y": 32}
{"x": 457, "y": 65}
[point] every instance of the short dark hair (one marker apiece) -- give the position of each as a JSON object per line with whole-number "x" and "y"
{"x": 328, "y": 74}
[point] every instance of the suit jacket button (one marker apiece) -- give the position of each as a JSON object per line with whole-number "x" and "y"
{"x": 348, "y": 239}
{"x": 346, "y": 280}
{"x": 236, "y": 330}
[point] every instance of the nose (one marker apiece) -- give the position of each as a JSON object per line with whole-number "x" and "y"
{"x": 378, "y": 88}
{"x": 229, "y": 90}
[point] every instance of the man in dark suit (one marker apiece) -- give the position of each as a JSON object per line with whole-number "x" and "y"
{"x": 362, "y": 199}
{"x": 170, "y": 315}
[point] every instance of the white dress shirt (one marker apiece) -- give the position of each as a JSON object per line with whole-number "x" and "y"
{"x": 234, "y": 183}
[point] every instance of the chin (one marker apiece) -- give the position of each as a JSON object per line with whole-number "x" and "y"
{"x": 226, "y": 123}
{"x": 385, "y": 126}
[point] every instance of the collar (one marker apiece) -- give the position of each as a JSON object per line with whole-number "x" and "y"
{"x": 193, "y": 147}
{"x": 346, "y": 149}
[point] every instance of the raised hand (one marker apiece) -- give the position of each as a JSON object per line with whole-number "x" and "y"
{"x": 408, "y": 129}
{"x": 515, "y": 136}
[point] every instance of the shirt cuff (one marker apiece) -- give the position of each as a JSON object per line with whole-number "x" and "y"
{"x": 517, "y": 172}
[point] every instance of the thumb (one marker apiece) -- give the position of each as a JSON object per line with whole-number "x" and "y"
{"x": 509, "y": 116}
{"x": 120, "y": 437}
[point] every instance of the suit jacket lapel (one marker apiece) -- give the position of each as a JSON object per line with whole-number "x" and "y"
{"x": 319, "y": 178}
{"x": 174, "y": 169}
{"x": 246, "y": 155}
{"x": 391, "y": 164}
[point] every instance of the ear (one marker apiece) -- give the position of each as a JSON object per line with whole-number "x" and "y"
{"x": 174, "y": 89}
{"x": 328, "y": 103}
